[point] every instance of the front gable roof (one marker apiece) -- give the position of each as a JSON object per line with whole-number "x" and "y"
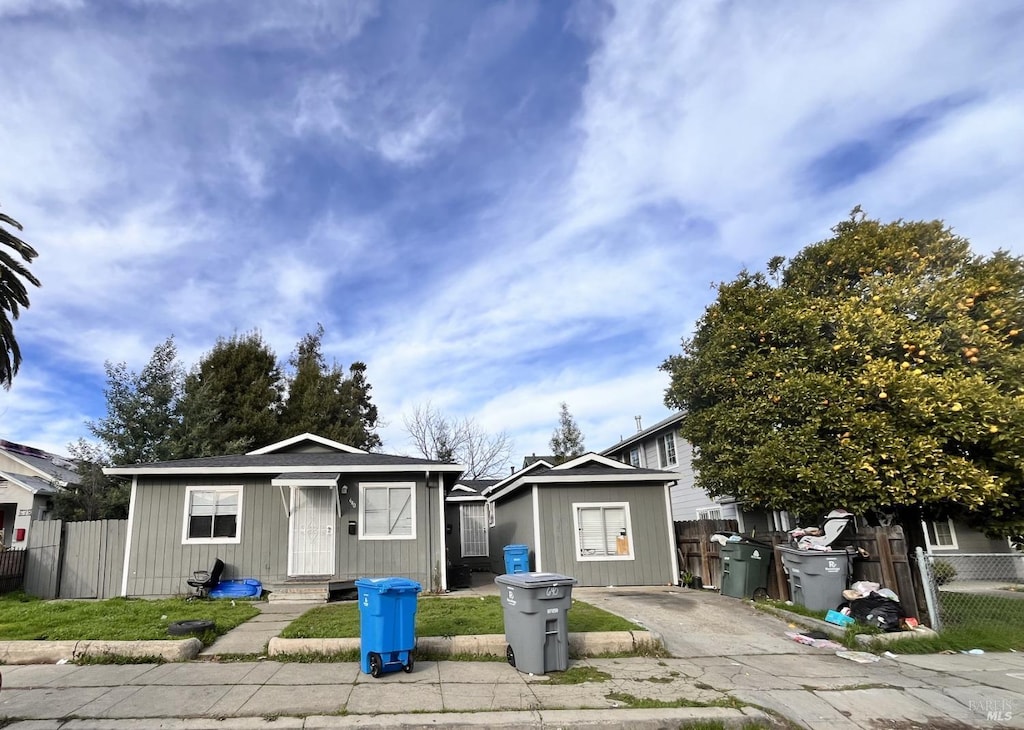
{"x": 533, "y": 466}
{"x": 589, "y": 469}
{"x": 305, "y": 440}
{"x": 34, "y": 485}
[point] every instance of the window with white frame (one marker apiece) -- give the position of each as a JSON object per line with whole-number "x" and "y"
{"x": 491, "y": 519}
{"x": 941, "y": 535}
{"x": 603, "y": 531}
{"x": 634, "y": 456}
{"x": 667, "y": 450}
{"x": 709, "y": 513}
{"x": 387, "y": 511}
{"x": 212, "y": 515}
{"x": 474, "y": 530}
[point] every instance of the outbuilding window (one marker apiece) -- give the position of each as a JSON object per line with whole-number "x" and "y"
{"x": 603, "y": 531}
{"x": 212, "y": 515}
{"x": 387, "y": 511}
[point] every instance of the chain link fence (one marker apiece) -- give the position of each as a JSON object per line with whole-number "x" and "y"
{"x": 980, "y": 590}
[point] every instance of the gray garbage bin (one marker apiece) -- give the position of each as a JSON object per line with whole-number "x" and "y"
{"x": 744, "y": 568}
{"x": 816, "y": 578}
{"x": 536, "y": 607}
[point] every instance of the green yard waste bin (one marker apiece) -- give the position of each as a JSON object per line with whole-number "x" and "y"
{"x": 744, "y": 568}
{"x": 536, "y": 607}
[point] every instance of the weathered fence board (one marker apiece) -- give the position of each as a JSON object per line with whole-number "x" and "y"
{"x": 697, "y": 554}
{"x": 12, "y": 570}
{"x": 76, "y": 559}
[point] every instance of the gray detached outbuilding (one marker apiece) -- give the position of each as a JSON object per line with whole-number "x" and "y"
{"x": 304, "y": 511}
{"x": 593, "y": 518}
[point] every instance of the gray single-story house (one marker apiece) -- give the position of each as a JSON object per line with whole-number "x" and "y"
{"x": 596, "y": 519}
{"x": 304, "y": 513}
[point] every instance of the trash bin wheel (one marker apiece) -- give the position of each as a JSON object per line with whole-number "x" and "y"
{"x": 408, "y": 667}
{"x": 760, "y": 594}
{"x": 510, "y": 655}
{"x": 376, "y": 665}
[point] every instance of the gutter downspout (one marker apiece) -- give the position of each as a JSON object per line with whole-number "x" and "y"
{"x": 441, "y": 535}
{"x": 673, "y": 547}
{"x": 536, "y": 529}
{"x": 128, "y": 538}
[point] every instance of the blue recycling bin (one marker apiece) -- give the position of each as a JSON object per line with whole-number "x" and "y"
{"x": 517, "y": 559}
{"x": 387, "y": 624}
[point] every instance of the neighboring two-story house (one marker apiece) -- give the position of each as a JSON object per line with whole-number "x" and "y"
{"x": 661, "y": 447}
{"x": 29, "y": 479}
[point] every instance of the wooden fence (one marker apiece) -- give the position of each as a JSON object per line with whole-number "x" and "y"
{"x": 12, "y": 570}
{"x": 888, "y": 562}
{"x": 697, "y": 554}
{"x": 75, "y": 559}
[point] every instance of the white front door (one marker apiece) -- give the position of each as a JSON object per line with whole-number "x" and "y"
{"x": 311, "y": 531}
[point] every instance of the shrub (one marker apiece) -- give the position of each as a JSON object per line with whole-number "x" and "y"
{"x": 943, "y": 571}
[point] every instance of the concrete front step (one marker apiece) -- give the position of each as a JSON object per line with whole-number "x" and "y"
{"x": 305, "y": 592}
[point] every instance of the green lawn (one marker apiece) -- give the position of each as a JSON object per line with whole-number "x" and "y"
{"x": 116, "y": 619}
{"x": 972, "y": 621}
{"x": 444, "y": 617}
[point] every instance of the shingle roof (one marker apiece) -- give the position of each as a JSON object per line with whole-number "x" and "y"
{"x": 36, "y": 485}
{"x": 477, "y": 485}
{"x": 640, "y": 435}
{"x": 41, "y": 460}
{"x": 261, "y": 463}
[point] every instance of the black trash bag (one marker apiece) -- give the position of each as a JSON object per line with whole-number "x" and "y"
{"x": 879, "y": 611}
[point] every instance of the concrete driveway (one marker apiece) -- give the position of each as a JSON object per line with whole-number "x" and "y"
{"x": 696, "y": 623}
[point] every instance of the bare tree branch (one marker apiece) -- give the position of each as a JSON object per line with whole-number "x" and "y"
{"x": 462, "y": 441}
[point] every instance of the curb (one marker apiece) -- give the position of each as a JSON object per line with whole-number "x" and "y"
{"x": 52, "y": 652}
{"x": 809, "y": 622}
{"x": 580, "y": 644}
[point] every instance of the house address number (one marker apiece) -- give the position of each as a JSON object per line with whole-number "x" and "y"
{"x": 24, "y": 513}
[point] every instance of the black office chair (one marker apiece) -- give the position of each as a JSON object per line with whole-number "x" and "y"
{"x": 203, "y": 580}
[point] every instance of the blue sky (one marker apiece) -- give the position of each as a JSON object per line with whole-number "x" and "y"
{"x": 497, "y": 206}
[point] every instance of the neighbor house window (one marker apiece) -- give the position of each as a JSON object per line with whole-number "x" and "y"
{"x": 603, "y": 531}
{"x": 941, "y": 535}
{"x": 212, "y": 515}
{"x": 387, "y": 511}
{"x": 634, "y": 456}
{"x": 709, "y": 513}
{"x": 667, "y": 450}
{"x": 474, "y": 530}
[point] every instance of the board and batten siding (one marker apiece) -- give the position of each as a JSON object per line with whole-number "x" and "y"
{"x": 160, "y": 564}
{"x": 652, "y": 563}
{"x": 513, "y": 526}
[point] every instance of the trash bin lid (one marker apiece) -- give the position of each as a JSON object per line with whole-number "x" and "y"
{"x": 534, "y": 580}
{"x": 388, "y": 584}
{"x": 516, "y": 548}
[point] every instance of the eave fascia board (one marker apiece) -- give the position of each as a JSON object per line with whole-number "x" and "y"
{"x": 587, "y": 479}
{"x": 13, "y": 479}
{"x": 477, "y": 498}
{"x": 231, "y": 470}
{"x": 591, "y": 458}
{"x": 539, "y": 464}
{"x": 303, "y": 482}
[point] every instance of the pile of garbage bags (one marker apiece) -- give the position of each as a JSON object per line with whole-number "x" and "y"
{"x": 872, "y": 605}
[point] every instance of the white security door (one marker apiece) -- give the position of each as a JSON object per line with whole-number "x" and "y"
{"x": 311, "y": 531}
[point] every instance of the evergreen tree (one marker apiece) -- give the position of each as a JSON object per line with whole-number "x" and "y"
{"x": 567, "y": 439}
{"x": 323, "y": 400}
{"x": 96, "y": 496}
{"x": 881, "y": 370}
{"x": 142, "y": 415}
{"x": 231, "y": 400}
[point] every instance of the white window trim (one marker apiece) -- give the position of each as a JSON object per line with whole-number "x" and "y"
{"x": 952, "y": 536}
{"x": 639, "y": 457}
{"x": 492, "y": 519}
{"x": 363, "y": 486}
{"x": 462, "y": 531}
{"x": 576, "y": 507}
{"x": 186, "y": 540}
{"x": 702, "y": 513}
{"x": 663, "y": 443}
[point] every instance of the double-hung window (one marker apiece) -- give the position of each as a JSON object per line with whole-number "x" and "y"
{"x": 603, "y": 531}
{"x": 667, "y": 450}
{"x": 941, "y": 535}
{"x": 473, "y": 519}
{"x": 634, "y": 456}
{"x": 387, "y": 511}
{"x": 212, "y": 515}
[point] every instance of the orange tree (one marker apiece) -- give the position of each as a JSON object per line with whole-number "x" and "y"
{"x": 879, "y": 370}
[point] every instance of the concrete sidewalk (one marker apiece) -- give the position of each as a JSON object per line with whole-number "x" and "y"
{"x": 813, "y": 690}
